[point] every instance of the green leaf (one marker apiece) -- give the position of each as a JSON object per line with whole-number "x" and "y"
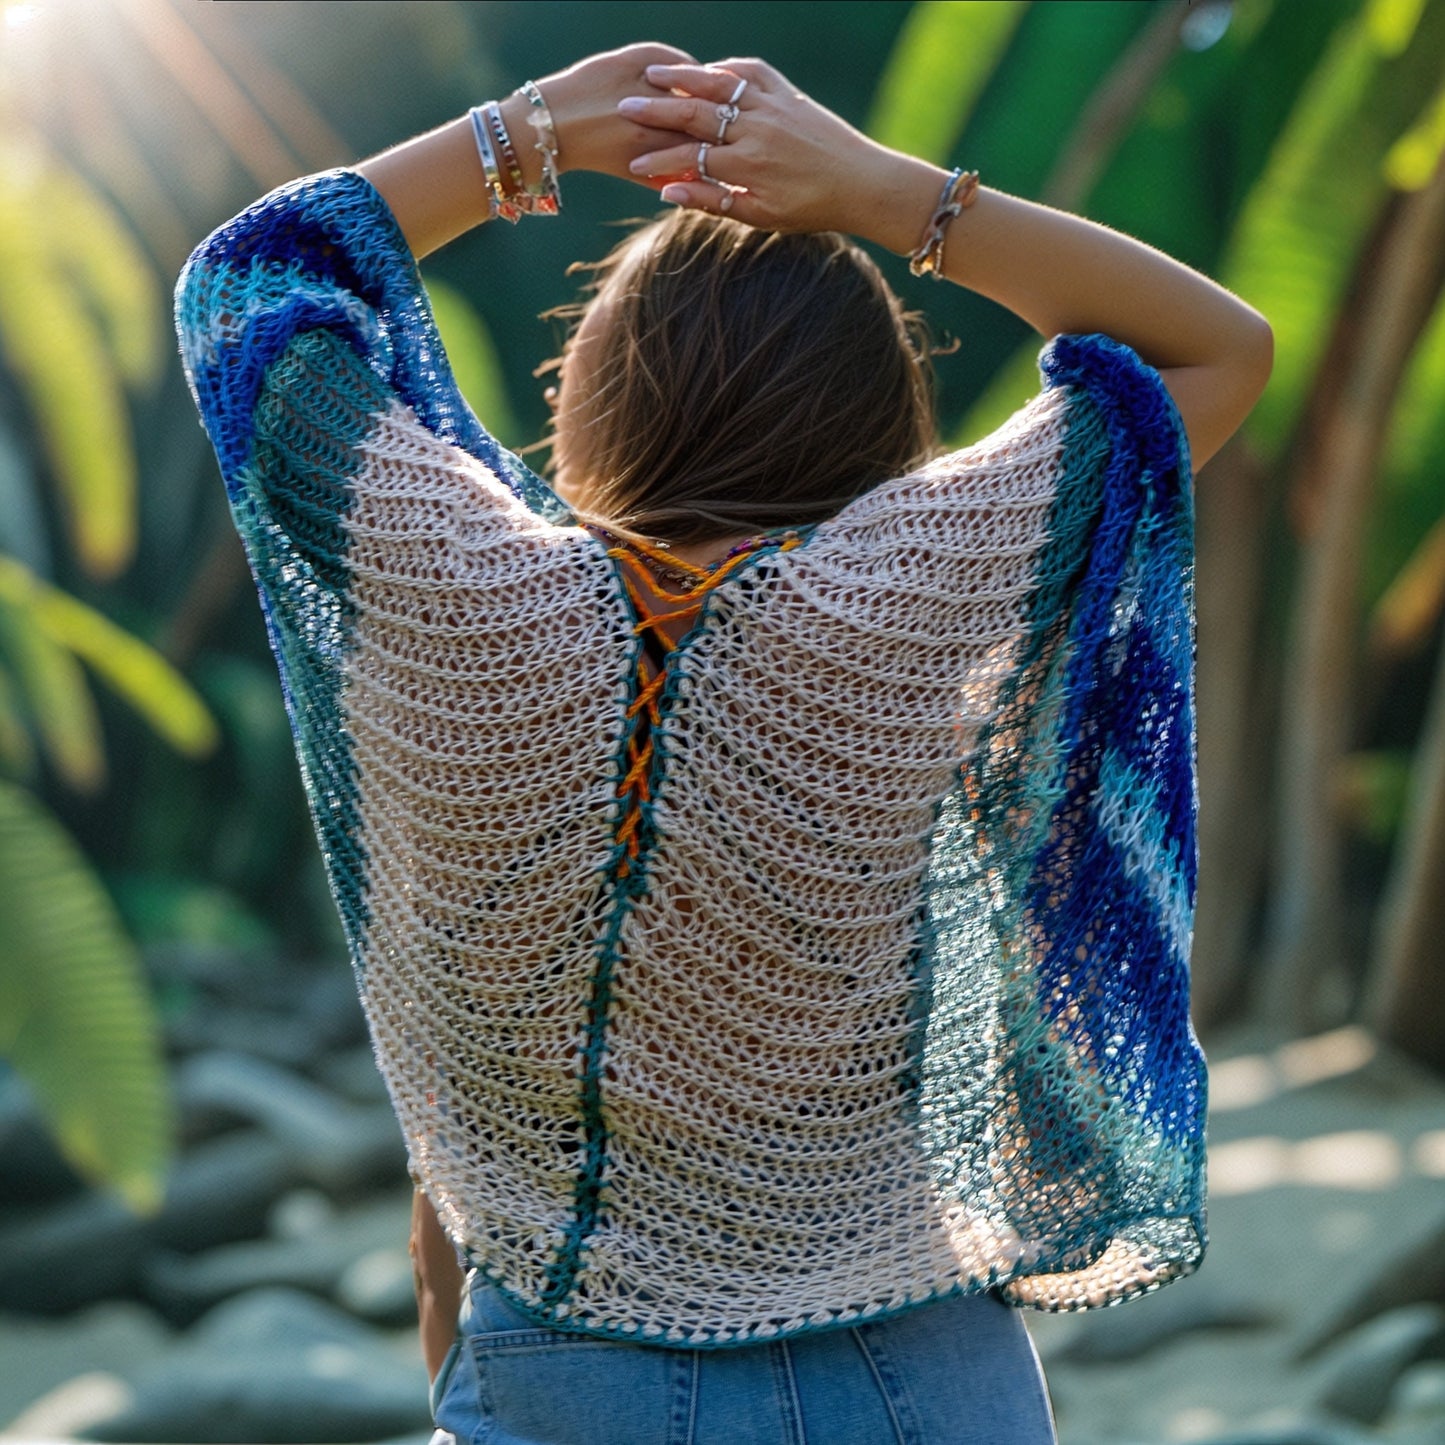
{"x": 57, "y": 696}
{"x": 69, "y": 372}
{"x": 1392, "y": 23}
{"x": 474, "y": 360}
{"x": 1308, "y": 213}
{"x": 76, "y": 1021}
{"x": 1413, "y": 158}
{"x": 941, "y": 61}
{"x": 95, "y": 246}
{"x": 17, "y": 755}
{"x": 133, "y": 670}
{"x": 1412, "y": 500}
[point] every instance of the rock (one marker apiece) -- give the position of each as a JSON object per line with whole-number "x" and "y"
{"x": 353, "y": 1073}
{"x": 42, "y": 1354}
{"x": 1363, "y": 1366}
{"x": 332, "y": 1009}
{"x": 334, "y": 1144}
{"x": 273, "y": 1365}
{"x": 379, "y": 1286}
{"x": 299, "y": 1213}
{"x": 1417, "y": 1404}
{"x": 70, "y": 1409}
{"x": 1292, "y": 1429}
{"x": 32, "y": 1168}
{"x": 1414, "y": 1276}
{"x": 62, "y": 1256}
{"x": 317, "y": 1259}
{"x": 280, "y": 1038}
{"x": 1145, "y": 1324}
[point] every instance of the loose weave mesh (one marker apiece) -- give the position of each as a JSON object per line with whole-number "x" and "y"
{"x": 883, "y": 995}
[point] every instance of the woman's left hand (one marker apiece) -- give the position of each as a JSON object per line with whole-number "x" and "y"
{"x": 753, "y": 146}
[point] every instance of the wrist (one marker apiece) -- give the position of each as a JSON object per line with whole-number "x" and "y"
{"x": 892, "y": 199}
{"x": 515, "y": 111}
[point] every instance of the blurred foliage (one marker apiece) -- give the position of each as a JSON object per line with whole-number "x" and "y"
{"x": 474, "y": 360}
{"x": 76, "y": 1020}
{"x": 1294, "y": 245}
{"x": 80, "y": 319}
{"x": 944, "y": 56}
{"x": 49, "y": 634}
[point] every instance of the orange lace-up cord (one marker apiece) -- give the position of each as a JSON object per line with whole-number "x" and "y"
{"x": 666, "y": 617}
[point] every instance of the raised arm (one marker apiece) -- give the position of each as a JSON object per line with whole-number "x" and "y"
{"x": 801, "y": 167}
{"x": 435, "y": 185}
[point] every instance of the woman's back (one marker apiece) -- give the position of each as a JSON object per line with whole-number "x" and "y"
{"x": 721, "y": 1017}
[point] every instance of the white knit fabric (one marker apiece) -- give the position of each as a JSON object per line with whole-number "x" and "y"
{"x": 763, "y": 1167}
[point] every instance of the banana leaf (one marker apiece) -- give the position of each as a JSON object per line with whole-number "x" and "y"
{"x": 76, "y": 1022}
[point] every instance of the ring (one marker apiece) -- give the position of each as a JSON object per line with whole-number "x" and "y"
{"x": 737, "y": 95}
{"x": 726, "y": 204}
{"x": 702, "y": 175}
{"x": 726, "y": 114}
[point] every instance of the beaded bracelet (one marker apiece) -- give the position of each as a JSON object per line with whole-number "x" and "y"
{"x": 549, "y": 201}
{"x": 960, "y": 191}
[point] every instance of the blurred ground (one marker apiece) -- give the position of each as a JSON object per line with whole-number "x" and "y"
{"x": 1326, "y": 1161}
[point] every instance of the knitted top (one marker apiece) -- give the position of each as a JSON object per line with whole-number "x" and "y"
{"x": 877, "y": 992}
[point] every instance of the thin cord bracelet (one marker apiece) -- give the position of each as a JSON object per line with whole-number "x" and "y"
{"x": 960, "y": 191}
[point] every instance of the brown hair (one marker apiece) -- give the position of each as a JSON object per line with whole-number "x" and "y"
{"x": 743, "y": 379}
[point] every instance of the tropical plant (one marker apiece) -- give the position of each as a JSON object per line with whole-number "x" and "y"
{"x": 79, "y": 325}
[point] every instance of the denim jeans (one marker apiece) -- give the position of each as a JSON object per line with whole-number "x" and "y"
{"x": 959, "y": 1370}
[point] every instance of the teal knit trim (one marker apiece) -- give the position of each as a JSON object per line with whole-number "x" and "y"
{"x": 291, "y": 509}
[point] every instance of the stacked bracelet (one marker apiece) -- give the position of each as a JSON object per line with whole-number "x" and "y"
{"x": 960, "y": 191}
{"x": 506, "y": 152}
{"x": 508, "y": 194}
{"x": 501, "y": 202}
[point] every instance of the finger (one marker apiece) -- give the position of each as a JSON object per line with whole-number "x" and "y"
{"x": 684, "y": 114}
{"x": 650, "y": 138}
{"x": 715, "y": 200}
{"x": 679, "y": 161}
{"x": 707, "y": 82}
{"x": 756, "y": 72}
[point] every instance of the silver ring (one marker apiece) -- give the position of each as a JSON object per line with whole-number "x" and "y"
{"x": 737, "y": 95}
{"x": 702, "y": 175}
{"x": 726, "y": 114}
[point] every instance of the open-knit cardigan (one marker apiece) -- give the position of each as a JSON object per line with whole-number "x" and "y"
{"x": 885, "y": 998}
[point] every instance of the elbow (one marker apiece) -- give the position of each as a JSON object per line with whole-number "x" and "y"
{"x": 1255, "y": 352}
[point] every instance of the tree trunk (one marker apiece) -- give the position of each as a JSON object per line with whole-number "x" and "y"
{"x": 1105, "y": 120}
{"x": 1233, "y": 505}
{"x": 1405, "y": 995}
{"x": 1303, "y": 977}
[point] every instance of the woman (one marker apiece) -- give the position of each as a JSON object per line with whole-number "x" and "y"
{"x": 767, "y": 860}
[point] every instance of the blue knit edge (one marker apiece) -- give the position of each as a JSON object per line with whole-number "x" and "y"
{"x": 1130, "y": 396}
{"x": 398, "y": 338}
